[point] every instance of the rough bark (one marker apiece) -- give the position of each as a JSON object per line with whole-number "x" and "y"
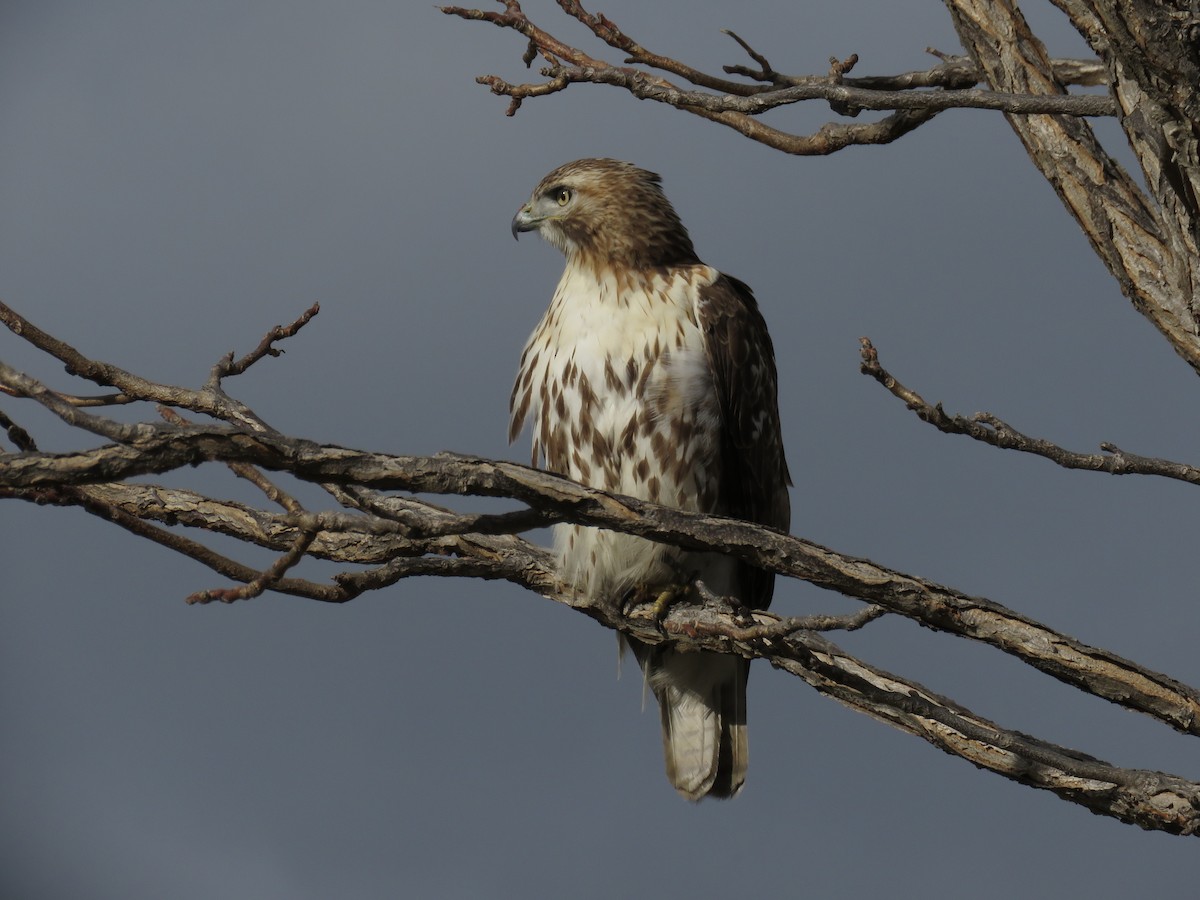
{"x": 1147, "y": 243}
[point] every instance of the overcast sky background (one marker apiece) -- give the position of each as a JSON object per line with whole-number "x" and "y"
{"x": 176, "y": 178}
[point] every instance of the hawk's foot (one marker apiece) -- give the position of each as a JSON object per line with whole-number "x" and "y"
{"x": 660, "y": 598}
{"x": 667, "y": 597}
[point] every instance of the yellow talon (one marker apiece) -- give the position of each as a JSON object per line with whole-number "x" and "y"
{"x": 667, "y": 598}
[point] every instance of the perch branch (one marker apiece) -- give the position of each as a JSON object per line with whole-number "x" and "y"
{"x": 1094, "y": 670}
{"x": 398, "y": 537}
{"x": 1151, "y": 800}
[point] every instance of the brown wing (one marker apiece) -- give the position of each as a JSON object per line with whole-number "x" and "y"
{"x": 754, "y": 472}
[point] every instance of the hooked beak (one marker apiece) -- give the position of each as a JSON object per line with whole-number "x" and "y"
{"x": 524, "y": 220}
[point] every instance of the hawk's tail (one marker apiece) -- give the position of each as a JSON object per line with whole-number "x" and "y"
{"x": 702, "y": 698}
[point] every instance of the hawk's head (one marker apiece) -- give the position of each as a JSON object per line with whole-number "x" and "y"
{"x": 610, "y": 211}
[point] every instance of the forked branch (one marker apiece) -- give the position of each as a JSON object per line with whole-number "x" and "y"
{"x": 389, "y": 537}
{"x": 912, "y": 98}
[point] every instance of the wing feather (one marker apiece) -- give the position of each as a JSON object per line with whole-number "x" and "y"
{"x": 754, "y": 472}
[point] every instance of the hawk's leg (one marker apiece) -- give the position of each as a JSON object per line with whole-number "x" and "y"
{"x": 667, "y": 597}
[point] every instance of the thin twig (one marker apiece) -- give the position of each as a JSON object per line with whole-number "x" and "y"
{"x": 208, "y": 402}
{"x": 989, "y": 429}
{"x": 91, "y": 500}
{"x": 822, "y": 622}
{"x": 21, "y": 385}
{"x": 764, "y": 72}
{"x": 268, "y": 577}
{"x": 761, "y": 624}
{"x": 118, "y": 399}
{"x": 21, "y": 439}
{"x": 227, "y": 367}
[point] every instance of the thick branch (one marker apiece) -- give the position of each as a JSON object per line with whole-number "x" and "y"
{"x": 1152, "y": 800}
{"x": 1149, "y": 49}
{"x": 398, "y": 537}
{"x": 1090, "y": 668}
{"x": 1144, "y": 251}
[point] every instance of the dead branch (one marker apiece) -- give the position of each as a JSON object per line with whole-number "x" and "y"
{"x": 913, "y": 97}
{"x": 266, "y": 347}
{"x": 851, "y": 98}
{"x": 413, "y": 529}
{"x": 209, "y": 401}
{"x": 935, "y": 606}
{"x": 1149, "y": 799}
{"x": 985, "y": 427}
{"x": 1151, "y": 245}
{"x": 392, "y": 537}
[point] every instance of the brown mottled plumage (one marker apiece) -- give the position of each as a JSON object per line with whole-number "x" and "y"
{"x": 652, "y": 374}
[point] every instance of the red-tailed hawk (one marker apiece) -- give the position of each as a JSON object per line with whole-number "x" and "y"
{"x": 652, "y": 374}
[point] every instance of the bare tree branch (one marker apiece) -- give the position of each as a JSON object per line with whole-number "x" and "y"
{"x": 1151, "y": 800}
{"x": 397, "y": 537}
{"x": 736, "y": 103}
{"x": 1152, "y": 248}
{"x": 269, "y": 577}
{"x": 19, "y": 437}
{"x": 989, "y": 429}
{"x": 210, "y": 401}
{"x": 1149, "y": 51}
{"x": 156, "y": 451}
{"x": 1092, "y": 669}
{"x": 266, "y": 347}
{"x": 849, "y": 97}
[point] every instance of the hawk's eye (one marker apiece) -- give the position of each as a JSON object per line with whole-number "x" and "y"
{"x": 562, "y": 196}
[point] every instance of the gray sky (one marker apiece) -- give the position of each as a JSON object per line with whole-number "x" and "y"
{"x": 175, "y": 178}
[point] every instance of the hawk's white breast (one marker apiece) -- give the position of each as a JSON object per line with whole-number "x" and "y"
{"x": 617, "y": 382}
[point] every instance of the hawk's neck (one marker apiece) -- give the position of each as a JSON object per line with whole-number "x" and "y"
{"x": 587, "y": 280}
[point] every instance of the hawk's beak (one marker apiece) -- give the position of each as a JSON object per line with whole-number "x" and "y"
{"x": 524, "y": 220}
